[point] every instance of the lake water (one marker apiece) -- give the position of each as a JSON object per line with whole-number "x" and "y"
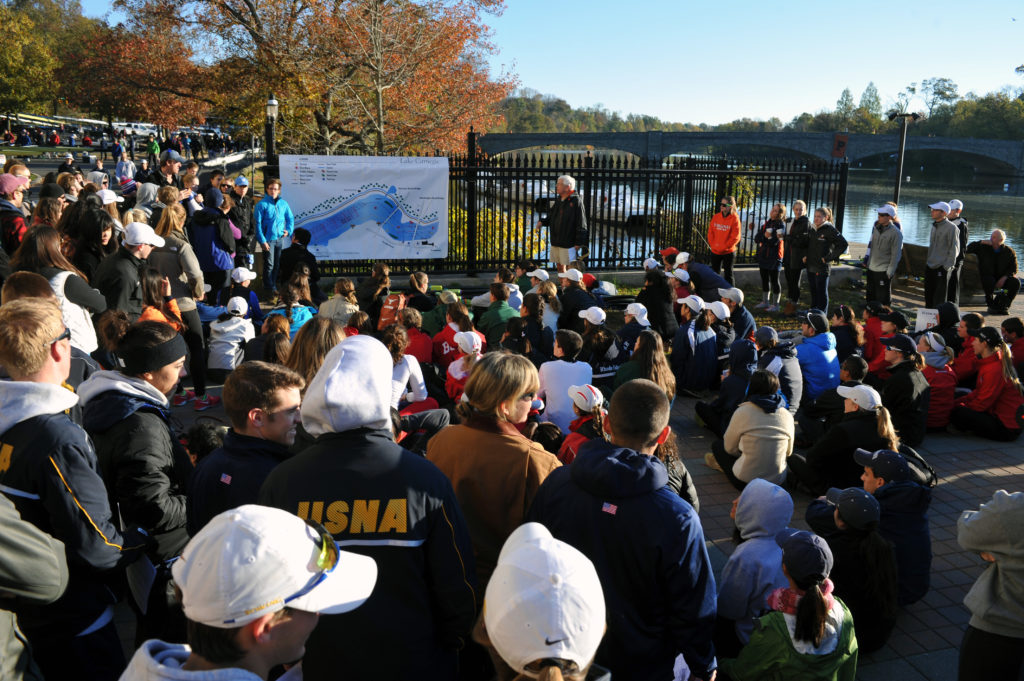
{"x": 986, "y": 207}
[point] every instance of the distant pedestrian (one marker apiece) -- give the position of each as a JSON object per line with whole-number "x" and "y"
{"x": 943, "y": 249}
{"x": 884, "y": 252}
{"x": 955, "y": 208}
{"x": 825, "y": 245}
{"x": 724, "y": 238}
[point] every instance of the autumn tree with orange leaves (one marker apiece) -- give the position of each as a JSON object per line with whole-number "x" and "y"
{"x": 357, "y": 76}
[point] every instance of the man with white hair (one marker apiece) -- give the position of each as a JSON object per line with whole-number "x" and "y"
{"x": 567, "y": 223}
{"x": 956, "y": 206}
{"x": 382, "y": 501}
{"x": 997, "y": 265}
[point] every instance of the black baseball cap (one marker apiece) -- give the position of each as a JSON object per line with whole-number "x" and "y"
{"x": 817, "y": 320}
{"x": 897, "y": 318}
{"x": 807, "y": 556}
{"x": 766, "y": 334}
{"x": 884, "y": 463}
{"x": 857, "y": 507}
{"x": 901, "y": 342}
{"x": 989, "y": 334}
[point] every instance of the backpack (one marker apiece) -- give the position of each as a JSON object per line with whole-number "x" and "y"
{"x": 920, "y": 471}
{"x": 75, "y": 317}
{"x": 389, "y": 309}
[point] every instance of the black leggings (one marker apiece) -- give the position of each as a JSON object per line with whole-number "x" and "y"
{"x": 723, "y": 262}
{"x": 793, "y": 282}
{"x": 193, "y": 333}
{"x": 983, "y": 424}
{"x": 771, "y": 280}
{"x": 726, "y": 460}
{"x": 984, "y": 655}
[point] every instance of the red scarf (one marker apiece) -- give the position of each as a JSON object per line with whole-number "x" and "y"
{"x": 785, "y": 599}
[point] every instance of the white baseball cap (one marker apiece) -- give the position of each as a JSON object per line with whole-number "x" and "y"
{"x": 864, "y": 396}
{"x": 107, "y": 196}
{"x": 639, "y": 311}
{"x": 240, "y": 274}
{"x": 255, "y": 560}
{"x": 594, "y": 315}
{"x": 238, "y": 306}
{"x": 734, "y": 294}
{"x": 139, "y": 233}
{"x": 681, "y": 274}
{"x": 468, "y": 342}
{"x": 544, "y": 600}
{"x": 682, "y": 257}
{"x": 539, "y": 273}
{"x": 586, "y": 397}
{"x": 651, "y": 264}
{"x": 572, "y": 275}
{"x": 956, "y": 204}
{"x": 719, "y": 309}
{"x": 887, "y": 210}
{"x": 695, "y": 303}
{"x": 941, "y": 205}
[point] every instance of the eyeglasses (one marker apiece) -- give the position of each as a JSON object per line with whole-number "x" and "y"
{"x": 64, "y": 336}
{"x": 725, "y": 205}
{"x": 326, "y": 561}
{"x": 528, "y": 397}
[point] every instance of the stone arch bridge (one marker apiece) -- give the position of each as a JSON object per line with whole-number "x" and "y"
{"x": 656, "y": 145}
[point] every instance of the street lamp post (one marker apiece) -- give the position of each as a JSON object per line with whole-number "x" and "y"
{"x": 271, "y": 169}
{"x": 903, "y": 116}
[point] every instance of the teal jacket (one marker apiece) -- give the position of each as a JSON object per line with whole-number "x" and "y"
{"x": 492, "y": 323}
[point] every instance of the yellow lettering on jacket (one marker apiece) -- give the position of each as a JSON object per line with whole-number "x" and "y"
{"x": 395, "y": 518}
{"x": 364, "y": 515}
{"x": 303, "y": 511}
{"x": 337, "y": 521}
{"x": 318, "y": 512}
{"x": 5, "y": 457}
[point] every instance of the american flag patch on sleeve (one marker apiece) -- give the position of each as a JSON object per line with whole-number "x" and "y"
{"x": 225, "y": 478}
{"x": 609, "y": 508}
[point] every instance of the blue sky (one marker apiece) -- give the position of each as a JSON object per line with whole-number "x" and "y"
{"x": 697, "y": 61}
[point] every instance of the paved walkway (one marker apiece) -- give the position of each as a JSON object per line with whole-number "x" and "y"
{"x": 927, "y": 635}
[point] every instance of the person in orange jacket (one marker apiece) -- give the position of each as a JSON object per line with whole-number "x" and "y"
{"x": 724, "y": 238}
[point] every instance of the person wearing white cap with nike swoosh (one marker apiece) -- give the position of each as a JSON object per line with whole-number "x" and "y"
{"x": 943, "y": 249}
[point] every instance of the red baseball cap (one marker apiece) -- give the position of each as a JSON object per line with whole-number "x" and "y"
{"x": 589, "y": 279}
{"x": 671, "y": 250}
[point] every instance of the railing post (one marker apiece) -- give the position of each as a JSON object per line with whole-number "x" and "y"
{"x": 688, "y": 204}
{"x": 589, "y": 196}
{"x": 471, "y": 216}
{"x": 844, "y": 176}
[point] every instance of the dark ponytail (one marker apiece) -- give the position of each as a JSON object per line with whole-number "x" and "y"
{"x": 702, "y": 320}
{"x": 880, "y": 569}
{"x": 811, "y": 613}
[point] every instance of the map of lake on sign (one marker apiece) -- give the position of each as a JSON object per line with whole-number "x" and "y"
{"x": 369, "y": 207}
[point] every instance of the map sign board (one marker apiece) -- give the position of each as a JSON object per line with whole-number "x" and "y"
{"x": 369, "y": 207}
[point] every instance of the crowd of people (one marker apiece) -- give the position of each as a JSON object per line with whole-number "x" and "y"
{"x": 463, "y": 487}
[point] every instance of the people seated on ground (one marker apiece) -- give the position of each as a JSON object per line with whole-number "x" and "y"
{"x": 298, "y": 253}
{"x": 515, "y": 297}
{"x": 522, "y": 271}
{"x": 600, "y": 348}
{"x": 754, "y": 570}
{"x": 704, "y": 281}
{"x": 657, "y": 296}
{"x": 992, "y": 409}
{"x": 906, "y": 393}
{"x": 818, "y": 417}
{"x": 408, "y": 389}
{"x": 648, "y": 361}
{"x": 241, "y": 279}
{"x": 1012, "y": 329}
{"x": 742, "y": 321}
{"x": 271, "y": 325}
{"x": 293, "y": 308}
{"x": 780, "y": 359}
{"x": 372, "y": 290}
{"x": 228, "y": 336}
{"x": 871, "y": 315}
{"x": 809, "y": 632}
{"x": 848, "y": 331}
{"x": 594, "y": 288}
{"x": 949, "y": 322}
{"x": 937, "y": 357}
{"x": 492, "y": 322}
{"x": 552, "y": 305}
{"x": 865, "y": 425}
{"x": 446, "y": 350}
{"x": 470, "y": 351}
{"x": 494, "y": 469}
{"x": 140, "y": 457}
{"x": 435, "y": 320}
{"x": 694, "y": 356}
{"x": 819, "y": 364}
{"x": 997, "y": 265}
{"x": 759, "y": 438}
{"x": 262, "y": 402}
{"x": 725, "y": 333}
{"x": 588, "y": 406}
{"x": 742, "y": 364}
{"x": 541, "y": 337}
{"x": 669, "y": 257}
{"x": 904, "y": 518}
{"x": 419, "y": 297}
{"x": 253, "y": 584}
{"x": 672, "y": 611}
{"x": 541, "y": 581}
{"x": 864, "y": 573}
{"x": 635, "y": 318}
{"x": 891, "y": 323}
{"x": 311, "y": 345}
{"x": 343, "y": 304}
{"x": 680, "y": 280}
{"x": 574, "y": 299}
{"x": 360, "y": 323}
{"x": 535, "y": 278}
{"x": 386, "y": 503}
{"x": 557, "y": 375}
{"x": 964, "y": 366}
{"x": 514, "y": 340}
{"x": 993, "y": 645}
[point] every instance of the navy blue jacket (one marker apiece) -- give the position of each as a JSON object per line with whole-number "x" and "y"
{"x": 231, "y": 476}
{"x": 904, "y": 522}
{"x": 782, "y": 361}
{"x": 628, "y": 334}
{"x": 743, "y": 322}
{"x": 694, "y": 365}
{"x": 705, "y": 281}
{"x": 573, "y": 301}
{"x": 647, "y": 545}
{"x": 742, "y": 363}
{"x": 385, "y": 502}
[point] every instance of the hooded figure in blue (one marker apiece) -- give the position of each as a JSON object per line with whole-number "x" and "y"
{"x": 646, "y": 543}
{"x": 742, "y": 364}
{"x": 754, "y": 569}
{"x": 819, "y": 362}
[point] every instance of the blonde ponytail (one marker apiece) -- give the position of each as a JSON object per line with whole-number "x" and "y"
{"x": 1009, "y": 372}
{"x": 886, "y": 430}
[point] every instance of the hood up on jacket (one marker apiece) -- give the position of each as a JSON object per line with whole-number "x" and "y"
{"x": 764, "y": 509}
{"x": 949, "y": 315}
{"x": 608, "y": 471}
{"x": 145, "y": 197}
{"x": 109, "y": 397}
{"x": 23, "y": 400}
{"x": 351, "y": 390}
{"x": 742, "y": 359}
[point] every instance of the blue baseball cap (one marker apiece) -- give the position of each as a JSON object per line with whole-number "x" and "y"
{"x": 807, "y": 556}
{"x": 240, "y": 181}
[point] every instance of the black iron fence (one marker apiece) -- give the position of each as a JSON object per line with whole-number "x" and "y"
{"x": 634, "y": 208}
